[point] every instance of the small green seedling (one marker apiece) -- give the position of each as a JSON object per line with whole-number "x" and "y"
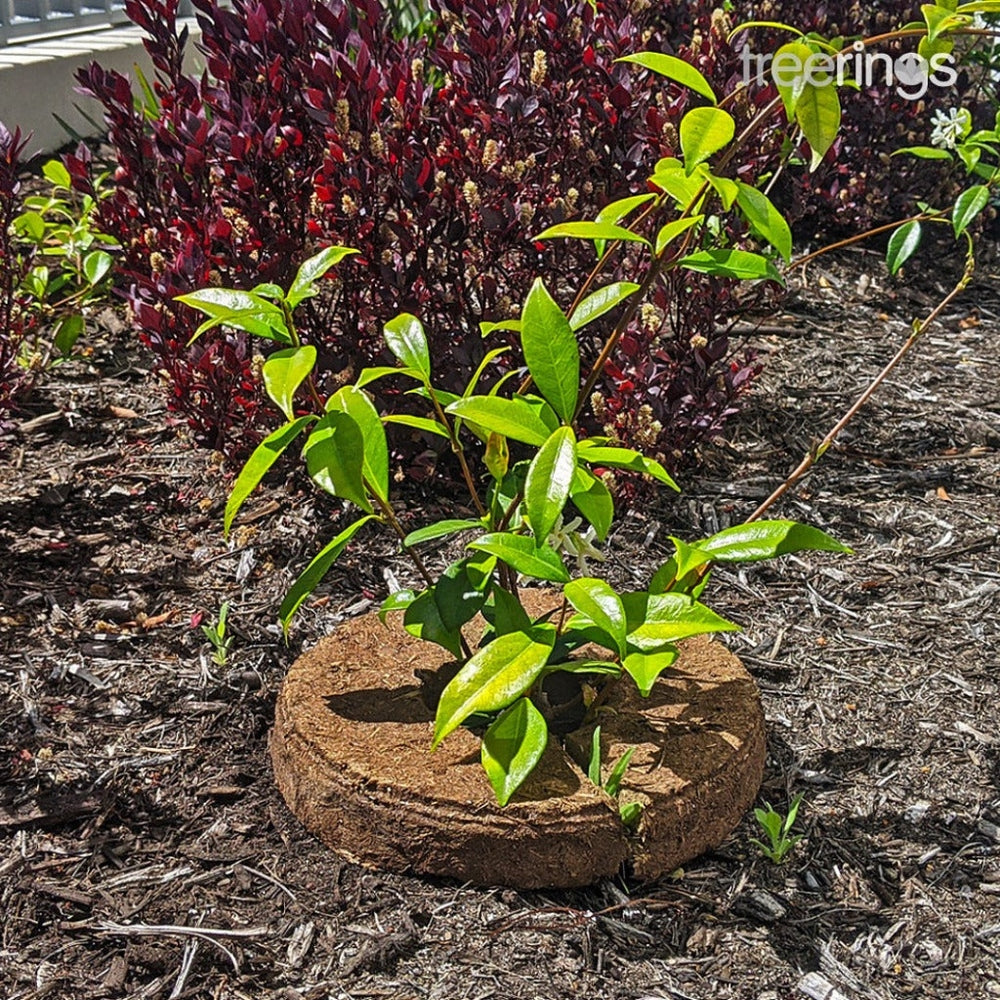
{"x": 629, "y": 811}
{"x": 777, "y": 828}
{"x": 216, "y": 635}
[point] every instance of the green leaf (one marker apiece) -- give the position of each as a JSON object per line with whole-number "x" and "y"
{"x": 788, "y": 69}
{"x": 400, "y": 600}
{"x": 490, "y": 357}
{"x": 257, "y": 465}
{"x": 240, "y": 310}
{"x": 284, "y": 371}
{"x": 521, "y": 554}
{"x": 673, "y": 69}
{"x": 383, "y": 371}
{"x": 687, "y": 559}
{"x": 615, "y": 211}
{"x": 765, "y": 540}
{"x": 598, "y": 601}
{"x": 335, "y": 453}
{"x": 494, "y": 677}
{"x": 705, "y": 131}
{"x": 549, "y": 480}
{"x": 765, "y": 219}
{"x": 625, "y": 458}
{"x": 599, "y": 302}
{"x": 614, "y": 783}
{"x": 902, "y": 245}
{"x": 424, "y": 424}
{"x": 514, "y": 325}
{"x": 731, "y": 264}
{"x": 594, "y": 501}
{"x": 969, "y": 204}
{"x": 357, "y": 405}
{"x": 423, "y": 620}
{"x": 458, "y": 595}
{"x": 507, "y": 614}
{"x": 818, "y": 115}
{"x": 55, "y": 172}
{"x": 512, "y": 746}
{"x": 513, "y": 418}
{"x": 645, "y": 668}
{"x": 96, "y": 265}
{"x": 670, "y": 176}
{"x": 550, "y": 351}
{"x": 594, "y": 766}
{"x": 591, "y": 231}
{"x": 924, "y": 152}
{"x": 405, "y": 337}
{"x": 440, "y": 529}
{"x": 672, "y": 230}
{"x": 724, "y": 187}
{"x": 68, "y": 333}
{"x": 316, "y": 570}
{"x": 497, "y": 456}
{"x": 654, "y": 619}
{"x": 311, "y": 270}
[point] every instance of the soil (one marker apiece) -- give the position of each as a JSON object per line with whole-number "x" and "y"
{"x": 147, "y": 853}
{"x": 353, "y": 724}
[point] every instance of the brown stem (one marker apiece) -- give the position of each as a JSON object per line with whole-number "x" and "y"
{"x": 816, "y": 453}
{"x": 456, "y": 447}
{"x": 850, "y": 240}
{"x": 390, "y": 516}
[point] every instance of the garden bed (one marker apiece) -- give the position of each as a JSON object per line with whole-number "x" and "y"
{"x": 138, "y": 798}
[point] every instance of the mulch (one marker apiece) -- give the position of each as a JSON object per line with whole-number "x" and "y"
{"x": 146, "y": 853}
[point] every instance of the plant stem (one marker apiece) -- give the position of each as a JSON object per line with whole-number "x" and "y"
{"x": 456, "y": 447}
{"x": 816, "y": 453}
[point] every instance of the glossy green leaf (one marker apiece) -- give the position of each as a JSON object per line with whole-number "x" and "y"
{"x": 673, "y": 69}
{"x": 645, "y": 668}
{"x": 494, "y": 677}
{"x": 594, "y": 766}
{"x": 902, "y": 245}
{"x": 512, "y": 746}
{"x": 670, "y": 176}
{"x": 311, "y": 270}
{"x": 425, "y": 424}
{"x": 765, "y": 540}
{"x": 765, "y": 219}
{"x": 625, "y": 458}
{"x": 818, "y": 115}
{"x": 506, "y": 613}
{"x": 405, "y": 337}
{"x": 672, "y": 230}
{"x": 968, "y": 205}
{"x": 654, "y": 619}
{"x": 513, "y": 325}
{"x": 594, "y": 501}
{"x": 240, "y": 310}
{"x": 731, "y": 264}
{"x": 459, "y": 594}
{"x": 687, "y": 559}
{"x": 257, "y": 465}
{"x": 489, "y": 358}
{"x": 598, "y": 601}
{"x": 705, "y": 131}
{"x": 316, "y": 570}
{"x": 521, "y": 554}
{"x": 359, "y": 407}
{"x": 441, "y": 529}
{"x": 497, "y": 456}
{"x": 422, "y": 619}
{"x": 726, "y": 189}
{"x": 67, "y": 333}
{"x": 924, "y": 152}
{"x": 549, "y": 480}
{"x": 284, "y": 371}
{"x": 334, "y": 454}
{"x": 399, "y": 600}
{"x": 514, "y": 418}
{"x": 789, "y": 72}
{"x": 550, "y": 351}
{"x": 384, "y": 371}
{"x": 96, "y": 265}
{"x": 591, "y": 231}
{"x": 598, "y": 303}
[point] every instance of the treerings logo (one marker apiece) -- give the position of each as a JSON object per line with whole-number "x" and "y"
{"x": 910, "y": 74}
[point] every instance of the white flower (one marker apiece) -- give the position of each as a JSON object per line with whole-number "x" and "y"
{"x": 951, "y": 127}
{"x": 567, "y": 540}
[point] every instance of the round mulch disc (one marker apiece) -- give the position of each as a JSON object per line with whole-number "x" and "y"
{"x": 351, "y": 754}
